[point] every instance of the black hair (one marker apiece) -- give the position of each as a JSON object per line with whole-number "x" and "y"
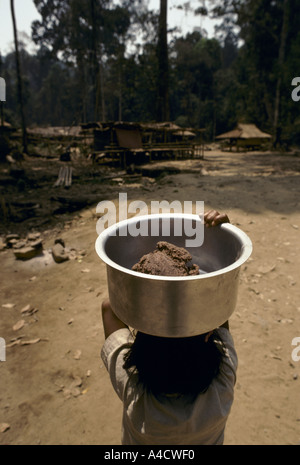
{"x": 183, "y": 366}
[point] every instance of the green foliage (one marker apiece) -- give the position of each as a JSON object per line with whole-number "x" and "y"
{"x": 98, "y": 59}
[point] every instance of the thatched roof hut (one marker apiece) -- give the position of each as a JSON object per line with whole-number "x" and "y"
{"x": 245, "y": 135}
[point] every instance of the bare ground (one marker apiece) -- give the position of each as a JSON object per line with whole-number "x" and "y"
{"x": 54, "y": 388}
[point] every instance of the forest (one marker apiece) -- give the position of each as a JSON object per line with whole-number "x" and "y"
{"x": 105, "y": 60}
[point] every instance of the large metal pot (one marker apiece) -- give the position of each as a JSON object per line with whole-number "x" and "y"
{"x": 173, "y": 306}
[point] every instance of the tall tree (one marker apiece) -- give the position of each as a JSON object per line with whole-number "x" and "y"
{"x": 195, "y": 62}
{"x": 163, "y": 64}
{"x": 281, "y": 59}
{"x": 19, "y": 77}
{"x": 83, "y": 32}
{"x": 96, "y": 64}
{"x": 268, "y": 30}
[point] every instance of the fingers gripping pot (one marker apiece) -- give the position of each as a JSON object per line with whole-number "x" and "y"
{"x": 170, "y": 306}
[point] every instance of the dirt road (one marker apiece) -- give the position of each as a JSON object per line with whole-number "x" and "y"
{"x": 54, "y": 388}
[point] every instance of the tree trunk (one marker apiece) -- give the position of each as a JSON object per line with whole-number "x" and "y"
{"x": 163, "y": 65}
{"x": 19, "y": 78}
{"x": 281, "y": 57}
{"x": 83, "y": 88}
{"x": 100, "y": 92}
{"x": 120, "y": 93}
{"x": 95, "y": 66}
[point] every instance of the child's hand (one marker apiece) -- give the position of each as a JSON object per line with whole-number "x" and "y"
{"x": 111, "y": 322}
{"x": 213, "y": 218}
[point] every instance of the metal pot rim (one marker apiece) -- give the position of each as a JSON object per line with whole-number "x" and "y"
{"x": 234, "y": 230}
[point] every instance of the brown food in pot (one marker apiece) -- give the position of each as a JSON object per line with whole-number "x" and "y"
{"x": 167, "y": 260}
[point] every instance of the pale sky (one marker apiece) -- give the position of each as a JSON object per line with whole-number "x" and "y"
{"x": 26, "y": 13}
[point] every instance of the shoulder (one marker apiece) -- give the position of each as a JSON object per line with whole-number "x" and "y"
{"x": 115, "y": 343}
{"x": 112, "y": 354}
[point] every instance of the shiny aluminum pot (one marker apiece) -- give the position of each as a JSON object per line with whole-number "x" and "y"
{"x": 173, "y": 306}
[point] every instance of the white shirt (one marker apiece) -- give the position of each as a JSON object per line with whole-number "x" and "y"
{"x": 158, "y": 420}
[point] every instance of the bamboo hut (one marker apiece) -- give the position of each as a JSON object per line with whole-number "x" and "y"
{"x": 245, "y": 136}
